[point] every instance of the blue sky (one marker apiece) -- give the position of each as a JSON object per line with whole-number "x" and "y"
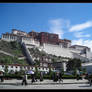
{"x": 70, "y": 20}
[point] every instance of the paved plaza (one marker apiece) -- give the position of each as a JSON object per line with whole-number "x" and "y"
{"x": 46, "y": 84}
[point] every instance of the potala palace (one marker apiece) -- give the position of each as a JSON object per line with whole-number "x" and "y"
{"x": 49, "y": 43}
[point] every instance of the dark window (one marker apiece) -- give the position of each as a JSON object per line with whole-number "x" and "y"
{"x": 2, "y": 65}
{"x": 11, "y": 66}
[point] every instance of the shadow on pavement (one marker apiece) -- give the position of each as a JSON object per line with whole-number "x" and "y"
{"x": 85, "y": 86}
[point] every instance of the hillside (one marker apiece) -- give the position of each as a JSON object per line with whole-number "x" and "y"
{"x": 11, "y": 47}
{"x": 10, "y": 52}
{"x": 41, "y": 56}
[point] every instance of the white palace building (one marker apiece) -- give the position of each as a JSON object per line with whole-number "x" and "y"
{"x": 17, "y": 67}
{"x": 75, "y": 51}
{"x": 50, "y": 43}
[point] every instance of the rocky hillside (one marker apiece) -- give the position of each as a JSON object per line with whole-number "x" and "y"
{"x": 41, "y": 56}
{"x": 11, "y": 53}
{"x": 13, "y": 48}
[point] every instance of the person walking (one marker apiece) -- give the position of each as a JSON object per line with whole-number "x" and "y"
{"x": 24, "y": 81}
{"x": 89, "y": 79}
{"x": 90, "y": 82}
{"x": 78, "y": 75}
{"x": 2, "y": 76}
{"x": 60, "y": 77}
{"x": 54, "y": 76}
{"x": 33, "y": 77}
{"x": 41, "y": 76}
{"x": 57, "y": 76}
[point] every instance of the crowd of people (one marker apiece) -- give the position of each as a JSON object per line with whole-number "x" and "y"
{"x": 55, "y": 77}
{"x": 33, "y": 78}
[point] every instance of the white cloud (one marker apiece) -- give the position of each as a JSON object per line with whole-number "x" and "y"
{"x": 83, "y": 42}
{"x": 80, "y": 35}
{"x": 77, "y": 42}
{"x": 57, "y": 26}
{"x": 80, "y": 27}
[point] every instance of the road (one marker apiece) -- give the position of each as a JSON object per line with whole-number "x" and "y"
{"x": 46, "y": 84}
{"x": 56, "y": 86}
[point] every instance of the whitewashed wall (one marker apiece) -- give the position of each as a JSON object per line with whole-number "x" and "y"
{"x": 56, "y": 50}
{"x": 9, "y": 38}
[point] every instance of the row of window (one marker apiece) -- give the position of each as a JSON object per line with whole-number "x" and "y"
{"x": 26, "y": 39}
{"x": 24, "y": 67}
{"x": 11, "y": 37}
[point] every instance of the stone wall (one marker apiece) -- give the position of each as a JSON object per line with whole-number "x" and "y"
{"x": 57, "y": 50}
{"x": 63, "y": 52}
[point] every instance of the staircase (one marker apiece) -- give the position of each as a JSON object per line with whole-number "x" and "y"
{"x": 28, "y": 55}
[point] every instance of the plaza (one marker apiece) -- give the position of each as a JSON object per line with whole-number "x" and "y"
{"x": 46, "y": 84}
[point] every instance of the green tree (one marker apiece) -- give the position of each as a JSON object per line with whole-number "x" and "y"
{"x": 74, "y": 63}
